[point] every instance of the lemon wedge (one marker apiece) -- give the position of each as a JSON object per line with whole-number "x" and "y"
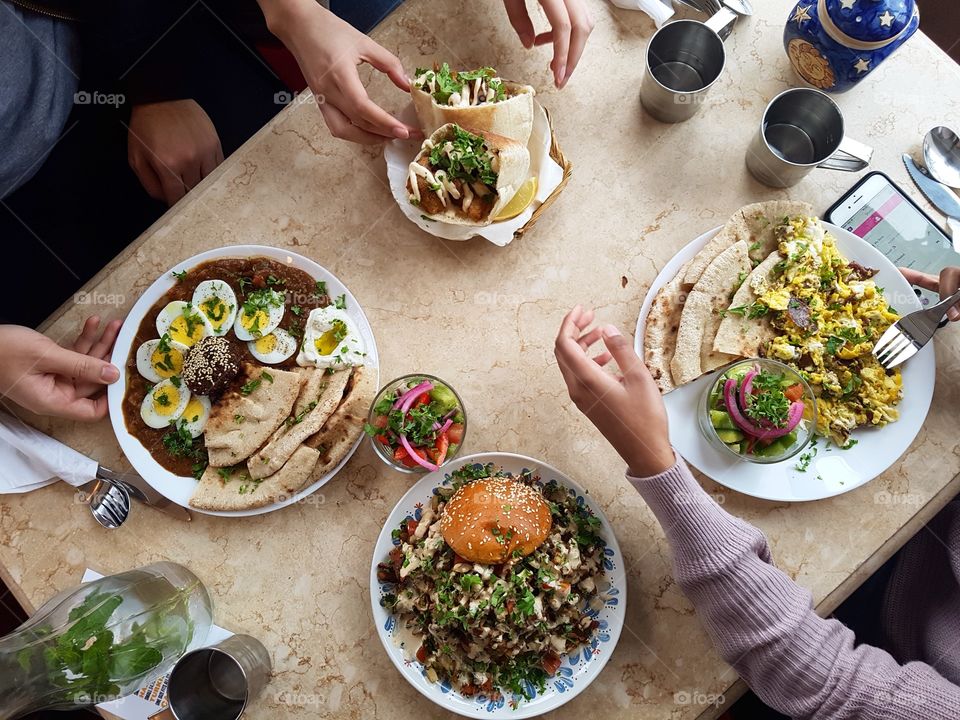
{"x": 519, "y": 202}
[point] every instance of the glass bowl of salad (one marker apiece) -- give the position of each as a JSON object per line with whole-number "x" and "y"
{"x": 760, "y": 410}
{"x": 416, "y": 423}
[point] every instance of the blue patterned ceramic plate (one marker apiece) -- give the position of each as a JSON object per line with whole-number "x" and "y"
{"x": 578, "y": 669}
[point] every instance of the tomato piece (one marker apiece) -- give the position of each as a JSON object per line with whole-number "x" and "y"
{"x": 383, "y": 440}
{"x": 422, "y": 399}
{"x": 421, "y": 654}
{"x": 408, "y": 461}
{"x": 443, "y": 444}
{"x": 550, "y": 663}
{"x": 510, "y": 605}
{"x": 400, "y": 453}
{"x": 380, "y": 421}
{"x": 794, "y": 392}
{"x": 259, "y": 281}
{"x": 468, "y": 690}
{"x": 455, "y": 433}
{"x": 411, "y": 527}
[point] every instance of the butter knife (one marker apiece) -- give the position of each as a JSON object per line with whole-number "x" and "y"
{"x": 939, "y": 195}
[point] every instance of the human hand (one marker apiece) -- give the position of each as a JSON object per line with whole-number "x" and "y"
{"x": 627, "y": 410}
{"x": 947, "y": 284}
{"x": 570, "y": 26}
{"x": 48, "y": 379}
{"x": 328, "y": 51}
{"x": 171, "y": 147}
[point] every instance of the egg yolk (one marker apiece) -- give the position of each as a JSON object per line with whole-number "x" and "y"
{"x": 254, "y": 322}
{"x": 216, "y": 311}
{"x": 266, "y": 344}
{"x": 166, "y": 363}
{"x": 186, "y": 329}
{"x": 165, "y": 400}
{"x": 193, "y": 411}
{"x": 328, "y": 342}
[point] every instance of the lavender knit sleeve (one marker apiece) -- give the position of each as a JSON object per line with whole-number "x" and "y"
{"x": 763, "y": 623}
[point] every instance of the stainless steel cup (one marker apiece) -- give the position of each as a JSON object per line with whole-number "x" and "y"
{"x": 684, "y": 60}
{"x": 802, "y": 129}
{"x": 217, "y": 682}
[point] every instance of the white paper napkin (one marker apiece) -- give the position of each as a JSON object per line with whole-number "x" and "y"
{"x": 29, "y": 459}
{"x": 659, "y": 10}
{"x": 399, "y": 153}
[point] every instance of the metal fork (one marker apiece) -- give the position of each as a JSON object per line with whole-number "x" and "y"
{"x": 906, "y": 336}
{"x": 109, "y": 503}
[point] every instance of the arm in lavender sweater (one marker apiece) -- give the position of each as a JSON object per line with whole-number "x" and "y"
{"x": 764, "y": 625}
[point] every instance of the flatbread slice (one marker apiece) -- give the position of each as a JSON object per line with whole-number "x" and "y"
{"x": 738, "y": 334}
{"x": 312, "y": 382}
{"x": 233, "y": 489}
{"x": 699, "y": 320}
{"x": 297, "y": 428}
{"x": 338, "y": 435}
{"x": 660, "y": 332}
{"x": 753, "y": 224}
{"x": 239, "y": 424}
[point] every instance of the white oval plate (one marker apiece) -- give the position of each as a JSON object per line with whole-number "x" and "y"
{"x": 177, "y": 488}
{"x": 577, "y": 670}
{"x": 834, "y": 471}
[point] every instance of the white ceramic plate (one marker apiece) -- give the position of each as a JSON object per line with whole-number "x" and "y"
{"x": 578, "y": 669}
{"x": 176, "y": 488}
{"x": 832, "y": 471}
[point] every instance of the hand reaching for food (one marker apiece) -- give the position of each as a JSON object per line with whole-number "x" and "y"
{"x": 570, "y": 26}
{"x": 626, "y": 409}
{"x": 171, "y": 147}
{"x": 947, "y": 284}
{"x": 48, "y": 379}
{"x": 328, "y": 51}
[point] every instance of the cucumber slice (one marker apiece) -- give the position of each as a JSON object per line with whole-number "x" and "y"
{"x": 730, "y": 437}
{"x": 777, "y": 447}
{"x": 721, "y": 420}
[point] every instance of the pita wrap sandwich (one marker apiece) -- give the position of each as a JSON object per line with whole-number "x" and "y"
{"x": 477, "y": 99}
{"x": 701, "y": 317}
{"x": 753, "y": 224}
{"x": 739, "y": 333}
{"x": 660, "y": 332}
{"x": 466, "y": 178}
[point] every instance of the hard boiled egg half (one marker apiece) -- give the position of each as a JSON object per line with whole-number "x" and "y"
{"x": 181, "y": 321}
{"x": 195, "y": 415}
{"x": 273, "y": 347}
{"x": 259, "y": 315}
{"x": 160, "y": 359}
{"x": 218, "y": 303}
{"x": 164, "y": 403}
{"x": 330, "y": 339}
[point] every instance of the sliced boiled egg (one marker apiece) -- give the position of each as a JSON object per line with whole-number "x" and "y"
{"x": 195, "y": 415}
{"x": 273, "y": 347}
{"x": 218, "y": 303}
{"x": 259, "y": 315}
{"x": 183, "y": 323}
{"x": 165, "y": 403}
{"x": 330, "y": 339}
{"x": 160, "y": 359}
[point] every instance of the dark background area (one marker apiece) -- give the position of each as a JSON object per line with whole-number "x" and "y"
{"x": 940, "y": 19}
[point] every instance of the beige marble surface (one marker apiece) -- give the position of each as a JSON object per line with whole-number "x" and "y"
{"x": 297, "y": 579}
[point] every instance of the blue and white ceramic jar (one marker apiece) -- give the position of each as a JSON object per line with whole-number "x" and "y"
{"x": 834, "y": 44}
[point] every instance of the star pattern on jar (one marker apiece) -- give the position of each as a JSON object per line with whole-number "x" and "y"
{"x": 886, "y": 20}
{"x": 802, "y": 13}
{"x": 847, "y": 4}
{"x": 861, "y": 65}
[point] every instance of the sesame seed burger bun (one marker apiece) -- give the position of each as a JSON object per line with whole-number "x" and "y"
{"x": 487, "y": 520}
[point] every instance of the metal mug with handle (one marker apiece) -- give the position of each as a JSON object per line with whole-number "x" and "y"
{"x": 802, "y": 129}
{"x": 217, "y": 682}
{"x": 683, "y": 61}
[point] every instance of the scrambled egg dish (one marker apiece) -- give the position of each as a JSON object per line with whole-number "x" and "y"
{"x": 828, "y": 314}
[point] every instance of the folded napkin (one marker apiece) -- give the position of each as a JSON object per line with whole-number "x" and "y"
{"x": 29, "y": 459}
{"x": 659, "y": 10}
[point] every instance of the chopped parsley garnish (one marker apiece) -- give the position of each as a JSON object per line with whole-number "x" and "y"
{"x": 751, "y": 312}
{"x": 341, "y": 303}
{"x": 468, "y": 160}
{"x": 321, "y": 288}
{"x": 180, "y": 444}
{"x": 768, "y": 401}
{"x": 179, "y": 275}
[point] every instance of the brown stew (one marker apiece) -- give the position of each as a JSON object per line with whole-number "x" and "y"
{"x": 243, "y": 275}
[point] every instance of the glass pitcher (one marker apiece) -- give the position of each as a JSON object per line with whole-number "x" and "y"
{"x": 103, "y": 640}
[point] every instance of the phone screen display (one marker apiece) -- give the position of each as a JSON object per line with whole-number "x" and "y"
{"x": 890, "y": 223}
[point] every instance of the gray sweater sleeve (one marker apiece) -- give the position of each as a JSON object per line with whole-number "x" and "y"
{"x": 764, "y": 624}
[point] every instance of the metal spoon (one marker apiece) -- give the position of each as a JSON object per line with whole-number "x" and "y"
{"x": 109, "y": 503}
{"x": 741, "y": 7}
{"x": 941, "y": 155}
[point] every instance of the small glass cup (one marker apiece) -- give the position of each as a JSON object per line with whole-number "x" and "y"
{"x": 805, "y": 430}
{"x": 384, "y": 452}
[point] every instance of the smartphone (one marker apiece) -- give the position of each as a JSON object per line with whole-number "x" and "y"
{"x": 878, "y": 211}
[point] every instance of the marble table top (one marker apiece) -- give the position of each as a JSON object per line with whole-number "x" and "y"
{"x": 486, "y": 318}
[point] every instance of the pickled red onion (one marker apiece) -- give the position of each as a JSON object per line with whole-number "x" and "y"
{"x": 415, "y": 455}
